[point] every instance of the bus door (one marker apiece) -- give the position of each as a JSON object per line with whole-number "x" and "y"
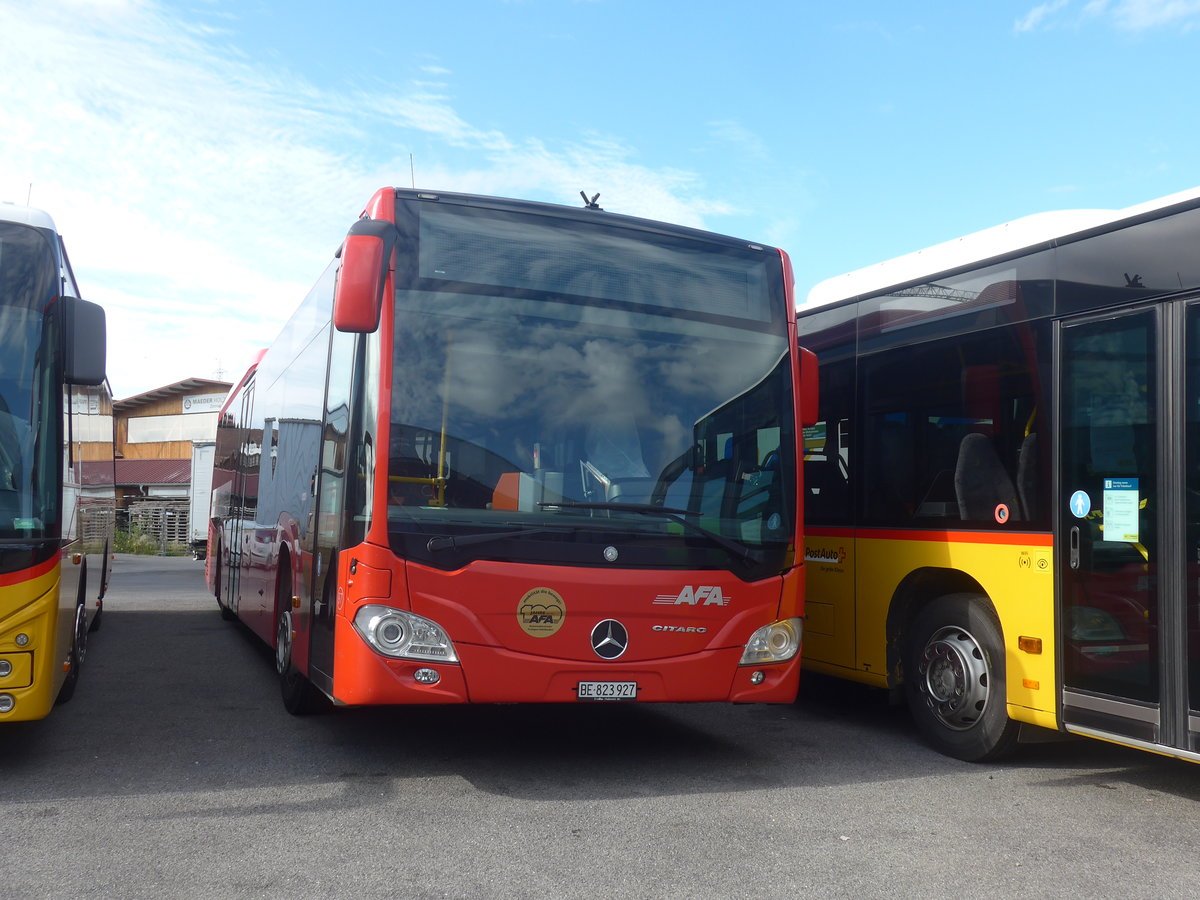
{"x": 238, "y": 535}
{"x": 1127, "y": 524}
{"x": 329, "y": 533}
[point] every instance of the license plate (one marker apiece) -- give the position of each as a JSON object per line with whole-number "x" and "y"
{"x": 608, "y": 690}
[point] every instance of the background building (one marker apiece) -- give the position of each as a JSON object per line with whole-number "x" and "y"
{"x": 154, "y": 437}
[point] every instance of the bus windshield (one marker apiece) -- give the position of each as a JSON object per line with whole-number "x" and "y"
{"x": 563, "y": 390}
{"x": 29, "y": 494}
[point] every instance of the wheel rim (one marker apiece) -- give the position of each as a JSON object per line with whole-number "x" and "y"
{"x": 954, "y": 677}
{"x": 283, "y": 642}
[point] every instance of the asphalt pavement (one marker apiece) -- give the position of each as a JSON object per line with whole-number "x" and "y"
{"x": 175, "y": 771}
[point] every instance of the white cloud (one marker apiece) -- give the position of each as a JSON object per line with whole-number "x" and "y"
{"x": 1033, "y": 19}
{"x": 1126, "y": 15}
{"x": 739, "y": 137}
{"x": 1140, "y": 15}
{"x": 201, "y": 192}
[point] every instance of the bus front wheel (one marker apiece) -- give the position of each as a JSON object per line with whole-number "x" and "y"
{"x": 78, "y": 652}
{"x": 226, "y": 613}
{"x": 300, "y": 696}
{"x": 954, "y": 677}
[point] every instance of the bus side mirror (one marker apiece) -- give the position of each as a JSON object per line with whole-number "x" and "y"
{"x": 808, "y": 387}
{"x": 84, "y": 344}
{"x": 366, "y": 255}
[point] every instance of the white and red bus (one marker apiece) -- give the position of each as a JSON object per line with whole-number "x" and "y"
{"x": 56, "y": 468}
{"x": 517, "y": 452}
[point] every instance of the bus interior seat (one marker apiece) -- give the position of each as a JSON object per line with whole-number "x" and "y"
{"x": 614, "y": 463}
{"x": 827, "y": 476}
{"x": 631, "y": 490}
{"x": 981, "y": 483}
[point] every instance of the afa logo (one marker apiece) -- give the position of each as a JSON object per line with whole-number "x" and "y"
{"x": 541, "y": 612}
{"x": 701, "y": 595}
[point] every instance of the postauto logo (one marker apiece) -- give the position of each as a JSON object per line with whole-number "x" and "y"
{"x": 825, "y": 555}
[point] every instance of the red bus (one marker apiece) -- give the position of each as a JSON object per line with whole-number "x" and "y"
{"x": 517, "y": 452}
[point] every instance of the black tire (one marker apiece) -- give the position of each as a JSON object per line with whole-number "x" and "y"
{"x": 104, "y": 573}
{"x": 226, "y": 613}
{"x": 77, "y": 655}
{"x": 300, "y": 696}
{"x": 954, "y": 679}
{"x": 96, "y": 619}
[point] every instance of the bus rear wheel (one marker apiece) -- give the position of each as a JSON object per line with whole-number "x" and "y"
{"x": 954, "y": 678}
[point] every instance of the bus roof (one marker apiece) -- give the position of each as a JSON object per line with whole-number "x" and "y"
{"x": 575, "y": 211}
{"x": 1021, "y": 234}
{"x": 26, "y": 215}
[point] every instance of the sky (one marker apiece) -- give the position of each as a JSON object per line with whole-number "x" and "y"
{"x": 203, "y": 159}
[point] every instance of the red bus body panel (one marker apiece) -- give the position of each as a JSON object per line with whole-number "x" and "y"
{"x": 687, "y": 631}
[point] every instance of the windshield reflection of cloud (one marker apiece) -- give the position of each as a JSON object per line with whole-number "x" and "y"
{"x": 18, "y": 346}
{"x": 567, "y": 375}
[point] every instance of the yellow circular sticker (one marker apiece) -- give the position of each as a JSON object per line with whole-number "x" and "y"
{"x": 541, "y": 612}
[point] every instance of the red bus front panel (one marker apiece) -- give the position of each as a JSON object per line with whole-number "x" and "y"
{"x": 530, "y": 634}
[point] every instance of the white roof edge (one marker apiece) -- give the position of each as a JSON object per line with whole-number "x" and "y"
{"x": 980, "y": 245}
{"x": 26, "y": 215}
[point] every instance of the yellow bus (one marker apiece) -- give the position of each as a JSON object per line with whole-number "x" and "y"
{"x": 1003, "y": 492}
{"x": 56, "y": 468}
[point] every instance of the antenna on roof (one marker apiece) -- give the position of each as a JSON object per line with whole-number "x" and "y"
{"x": 590, "y": 204}
{"x": 412, "y": 173}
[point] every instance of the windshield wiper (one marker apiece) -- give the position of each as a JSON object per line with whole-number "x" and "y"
{"x": 453, "y": 542}
{"x": 665, "y": 512}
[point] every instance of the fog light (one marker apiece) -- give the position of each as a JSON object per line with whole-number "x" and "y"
{"x": 7, "y": 703}
{"x": 427, "y": 676}
{"x": 5, "y": 668}
{"x": 22, "y": 639}
{"x": 757, "y": 677}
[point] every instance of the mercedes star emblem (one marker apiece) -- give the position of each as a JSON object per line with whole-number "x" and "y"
{"x": 609, "y": 639}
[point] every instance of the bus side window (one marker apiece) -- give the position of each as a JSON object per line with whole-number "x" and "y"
{"x": 890, "y": 486}
{"x": 1027, "y": 475}
{"x": 828, "y": 494}
{"x": 827, "y": 471}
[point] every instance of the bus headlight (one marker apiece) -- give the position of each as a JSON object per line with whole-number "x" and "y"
{"x": 774, "y": 643}
{"x": 401, "y": 634}
{"x": 7, "y": 702}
